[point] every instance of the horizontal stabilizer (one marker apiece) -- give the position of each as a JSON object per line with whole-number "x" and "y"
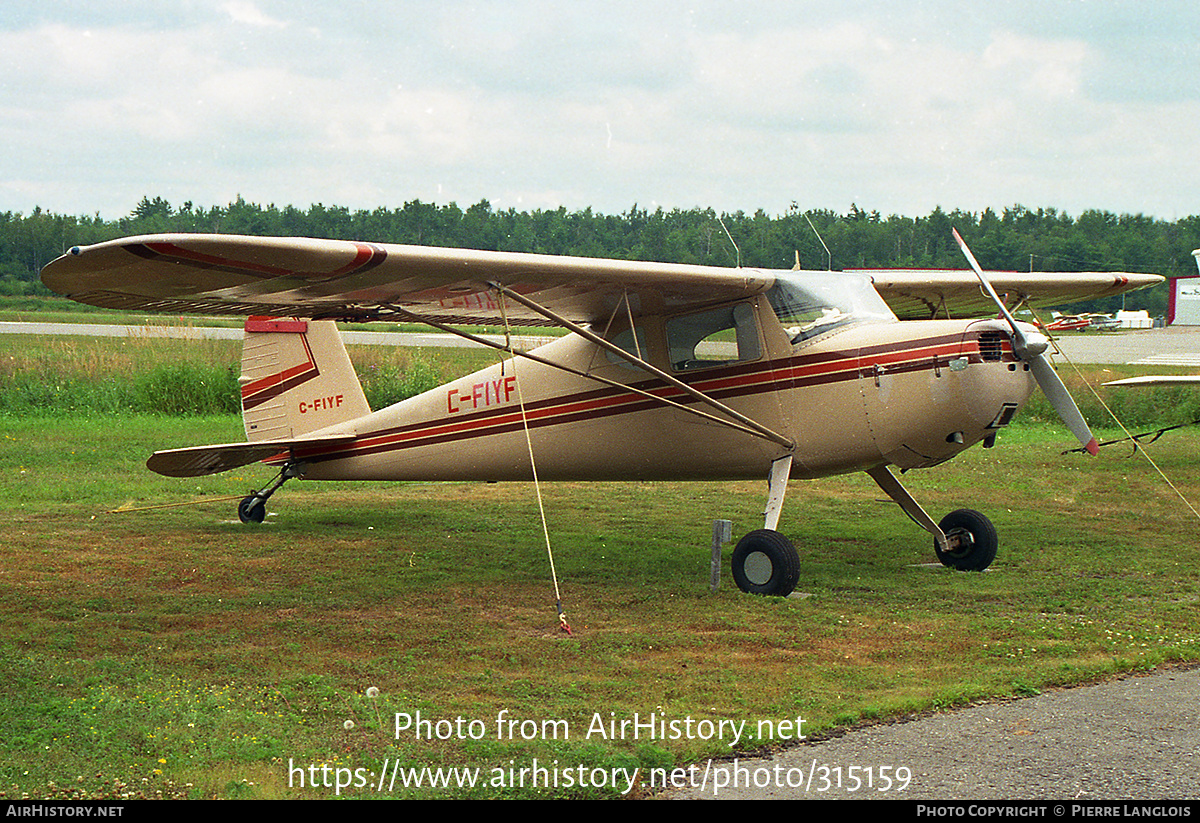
{"x": 197, "y": 461}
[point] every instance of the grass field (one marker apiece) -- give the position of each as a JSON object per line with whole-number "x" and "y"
{"x": 176, "y": 652}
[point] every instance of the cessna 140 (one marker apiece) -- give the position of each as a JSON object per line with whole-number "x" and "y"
{"x": 669, "y": 372}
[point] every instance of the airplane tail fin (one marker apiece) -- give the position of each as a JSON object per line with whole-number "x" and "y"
{"x": 296, "y": 378}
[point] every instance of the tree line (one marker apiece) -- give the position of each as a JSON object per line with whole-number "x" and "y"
{"x": 1016, "y": 238}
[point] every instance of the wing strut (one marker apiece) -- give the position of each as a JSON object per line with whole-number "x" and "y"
{"x": 888, "y": 482}
{"x": 760, "y": 429}
{"x": 751, "y": 427}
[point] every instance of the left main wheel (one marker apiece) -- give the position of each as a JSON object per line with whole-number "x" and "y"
{"x": 766, "y": 562}
{"x": 252, "y": 509}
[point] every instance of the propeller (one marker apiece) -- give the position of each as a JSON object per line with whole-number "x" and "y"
{"x": 1031, "y": 347}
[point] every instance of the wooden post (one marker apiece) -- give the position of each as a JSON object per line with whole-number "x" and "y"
{"x": 722, "y": 533}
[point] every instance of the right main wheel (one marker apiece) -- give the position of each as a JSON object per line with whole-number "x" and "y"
{"x": 977, "y": 541}
{"x": 766, "y": 562}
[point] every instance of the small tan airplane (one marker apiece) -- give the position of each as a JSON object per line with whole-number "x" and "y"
{"x": 669, "y": 372}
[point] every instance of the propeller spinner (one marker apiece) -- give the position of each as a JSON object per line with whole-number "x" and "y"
{"x": 1031, "y": 347}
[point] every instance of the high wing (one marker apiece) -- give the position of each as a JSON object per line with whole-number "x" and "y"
{"x": 921, "y": 294}
{"x": 231, "y": 274}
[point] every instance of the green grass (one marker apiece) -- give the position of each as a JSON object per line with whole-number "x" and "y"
{"x": 1138, "y": 407}
{"x": 177, "y": 651}
{"x": 67, "y": 375}
{"x": 172, "y": 651}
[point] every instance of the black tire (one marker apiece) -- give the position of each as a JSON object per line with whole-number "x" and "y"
{"x": 979, "y": 550}
{"x": 766, "y": 562}
{"x": 252, "y": 510}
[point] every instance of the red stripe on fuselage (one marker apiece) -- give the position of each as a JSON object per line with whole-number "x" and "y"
{"x": 723, "y": 383}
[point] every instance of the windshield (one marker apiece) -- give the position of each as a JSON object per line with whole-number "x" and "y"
{"x": 812, "y": 303}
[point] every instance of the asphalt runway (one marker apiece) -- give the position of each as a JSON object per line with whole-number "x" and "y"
{"x": 1135, "y": 738}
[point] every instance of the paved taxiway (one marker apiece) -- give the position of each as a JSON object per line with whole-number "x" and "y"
{"x": 1134, "y": 738}
{"x": 1175, "y": 346}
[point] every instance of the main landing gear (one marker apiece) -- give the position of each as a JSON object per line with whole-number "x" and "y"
{"x": 971, "y": 541}
{"x": 964, "y": 540}
{"x": 253, "y": 509}
{"x": 765, "y": 562}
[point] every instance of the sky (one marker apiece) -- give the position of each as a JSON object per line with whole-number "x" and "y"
{"x": 893, "y": 106}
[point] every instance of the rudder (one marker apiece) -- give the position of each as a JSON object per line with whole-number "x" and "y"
{"x": 296, "y": 378}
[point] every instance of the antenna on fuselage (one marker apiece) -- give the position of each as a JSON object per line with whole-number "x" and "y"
{"x": 828, "y": 254}
{"x": 731, "y": 240}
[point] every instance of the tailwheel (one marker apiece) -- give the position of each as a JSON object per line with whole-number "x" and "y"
{"x": 971, "y": 539}
{"x": 252, "y": 509}
{"x": 766, "y": 562}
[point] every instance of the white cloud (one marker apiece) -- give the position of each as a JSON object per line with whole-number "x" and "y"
{"x": 241, "y": 11}
{"x": 893, "y": 107}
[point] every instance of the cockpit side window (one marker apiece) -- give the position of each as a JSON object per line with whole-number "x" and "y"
{"x": 625, "y": 340}
{"x": 715, "y": 337}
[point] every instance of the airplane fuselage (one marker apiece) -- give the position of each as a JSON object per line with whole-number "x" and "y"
{"x": 857, "y": 396}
